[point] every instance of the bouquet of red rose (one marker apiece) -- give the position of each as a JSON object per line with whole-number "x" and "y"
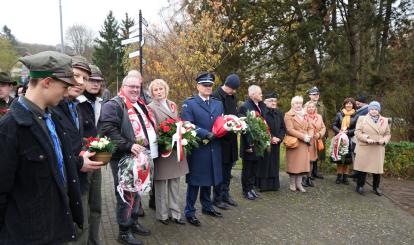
{"x": 103, "y": 148}
{"x": 258, "y": 132}
{"x": 179, "y": 135}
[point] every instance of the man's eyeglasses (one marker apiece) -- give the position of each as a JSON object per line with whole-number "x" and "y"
{"x": 133, "y": 87}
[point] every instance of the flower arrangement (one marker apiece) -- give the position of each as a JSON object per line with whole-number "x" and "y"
{"x": 179, "y": 135}
{"x": 103, "y": 148}
{"x": 258, "y": 132}
{"x": 339, "y": 147}
{"x": 229, "y": 123}
{"x": 98, "y": 144}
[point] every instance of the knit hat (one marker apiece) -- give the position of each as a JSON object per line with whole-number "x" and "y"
{"x": 232, "y": 81}
{"x": 374, "y": 105}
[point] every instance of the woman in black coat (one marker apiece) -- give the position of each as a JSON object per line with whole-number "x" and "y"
{"x": 267, "y": 178}
{"x": 345, "y": 121}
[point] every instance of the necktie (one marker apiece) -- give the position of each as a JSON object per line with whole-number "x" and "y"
{"x": 56, "y": 145}
{"x": 207, "y": 103}
{"x": 74, "y": 113}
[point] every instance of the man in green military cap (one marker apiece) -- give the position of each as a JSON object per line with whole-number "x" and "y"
{"x": 72, "y": 121}
{"x": 6, "y": 86}
{"x": 40, "y": 199}
{"x": 89, "y": 108}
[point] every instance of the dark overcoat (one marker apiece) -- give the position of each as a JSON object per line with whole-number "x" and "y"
{"x": 36, "y": 207}
{"x": 247, "y": 106}
{"x": 75, "y": 136}
{"x": 204, "y": 162}
{"x": 229, "y": 141}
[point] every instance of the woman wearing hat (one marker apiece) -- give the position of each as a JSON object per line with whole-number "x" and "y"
{"x": 297, "y": 159}
{"x": 6, "y": 86}
{"x": 345, "y": 122}
{"x": 372, "y": 133}
{"x": 267, "y": 178}
{"x": 167, "y": 171}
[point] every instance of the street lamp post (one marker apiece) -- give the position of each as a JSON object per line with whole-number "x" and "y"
{"x": 62, "y": 45}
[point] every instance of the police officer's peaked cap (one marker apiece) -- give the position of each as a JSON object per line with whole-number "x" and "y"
{"x": 313, "y": 90}
{"x": 205, "y": 77}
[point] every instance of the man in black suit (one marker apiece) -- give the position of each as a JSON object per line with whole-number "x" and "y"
{"x": 247, "y": 151}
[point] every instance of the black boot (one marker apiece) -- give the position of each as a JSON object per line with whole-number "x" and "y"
{"x": 345, "y": 179}
{"x": 309, "y": 182}
{"x": 304, "y": 182}
{"x": 125, "y": 237}
{"x": 315, "y": 170}
{"x": 375, "y": 184}
{"x": 338, "y": 179}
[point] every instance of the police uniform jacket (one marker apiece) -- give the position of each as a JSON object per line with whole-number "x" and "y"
{"x": 204, "y": 162}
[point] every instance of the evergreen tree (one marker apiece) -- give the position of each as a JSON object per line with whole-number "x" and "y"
{"x": 108, "y": 52}
{"x": 8, "y": 35}
{"x": 126, "y": 25}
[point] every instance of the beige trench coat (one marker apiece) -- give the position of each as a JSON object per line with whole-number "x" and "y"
{"x": 167, "y": 168}
{"x": 370, "y": 157}
{"x": 297, "y": 159}
{"x": 318, "y": 128}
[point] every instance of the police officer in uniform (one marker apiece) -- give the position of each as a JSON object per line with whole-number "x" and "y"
{"x": 204, "y": 162}
{"x": 40, "y": 196}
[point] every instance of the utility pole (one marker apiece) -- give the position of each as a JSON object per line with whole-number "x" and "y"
{"x": 62, "y": 45}
{"x": 141, "y": 66}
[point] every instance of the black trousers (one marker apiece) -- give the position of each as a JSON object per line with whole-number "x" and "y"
{"x": 221, "y": 191}
{"x": 248, "y": 175}
{"x": 362, "y": 177}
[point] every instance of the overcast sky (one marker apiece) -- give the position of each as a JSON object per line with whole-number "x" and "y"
{"x": 37, "y": 21}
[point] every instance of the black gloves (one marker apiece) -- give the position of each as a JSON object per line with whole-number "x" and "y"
{"x": 210, "y": 136}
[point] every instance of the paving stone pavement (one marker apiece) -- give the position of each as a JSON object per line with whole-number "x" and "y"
{"x": 326, "y": 214}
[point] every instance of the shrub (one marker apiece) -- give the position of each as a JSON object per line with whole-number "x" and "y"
{"x": 399, "y": 159}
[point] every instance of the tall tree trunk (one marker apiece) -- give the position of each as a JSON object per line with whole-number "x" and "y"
{"x": 384, "y": 40}
{"x": 354, "y": 43}
{"x": 378, "y": 31}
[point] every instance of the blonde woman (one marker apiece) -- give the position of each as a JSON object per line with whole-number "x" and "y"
{"x": 319, "y": 131}
{"x": 297, "y": 159}
{"x": 167, "y": 171}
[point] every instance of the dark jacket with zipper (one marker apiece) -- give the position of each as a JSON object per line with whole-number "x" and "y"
{"x": 36, "y": 207}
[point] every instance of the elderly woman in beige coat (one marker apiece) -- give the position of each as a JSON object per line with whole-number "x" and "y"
{"x": 319, "y": 131}
{"x": 167, "y": 171}
{"x": 372, "y": 133}
{"x": 297, "y": 159}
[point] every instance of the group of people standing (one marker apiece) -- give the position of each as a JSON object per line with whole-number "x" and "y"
{"x": 50, "y": 189}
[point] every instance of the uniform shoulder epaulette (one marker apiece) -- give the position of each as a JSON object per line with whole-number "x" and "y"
{"x": 214, "y": 98}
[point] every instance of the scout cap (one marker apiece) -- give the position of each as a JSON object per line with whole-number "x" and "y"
{"x": 50, "y": 64}
{"x": 81, "y": 63}
{"x": 5, "y": 78}
{"x": 96, "y": 73}
{"x": 205, "y": 77}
